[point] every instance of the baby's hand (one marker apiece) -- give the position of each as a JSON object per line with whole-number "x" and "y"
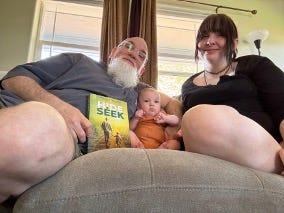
{"x": 160, "y": 118}
{"x": 139, "y": 113}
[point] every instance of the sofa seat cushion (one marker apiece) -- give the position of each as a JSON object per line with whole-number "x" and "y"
{"x": 137, "y": 180}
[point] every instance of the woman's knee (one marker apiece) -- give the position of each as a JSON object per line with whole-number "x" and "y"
{"x": 206, "y": 116}
{"x": 206, "y": 121}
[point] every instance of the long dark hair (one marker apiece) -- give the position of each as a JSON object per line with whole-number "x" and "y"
{"x": 224, "y": 25}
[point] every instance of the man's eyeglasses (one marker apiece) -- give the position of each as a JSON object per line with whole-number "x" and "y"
{"x": 129, "y": 46}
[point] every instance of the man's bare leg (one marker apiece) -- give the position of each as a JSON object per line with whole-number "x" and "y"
{"x": 35, "y": 143}
{"x": 220, "y": 131}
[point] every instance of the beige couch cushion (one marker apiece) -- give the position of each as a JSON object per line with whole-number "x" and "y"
{"x": 136, "y": 180}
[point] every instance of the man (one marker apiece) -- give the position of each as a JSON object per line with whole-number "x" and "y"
{"x": 38, "y": 136}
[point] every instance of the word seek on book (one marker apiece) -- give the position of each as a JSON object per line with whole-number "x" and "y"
{"x": 110, "y": 110}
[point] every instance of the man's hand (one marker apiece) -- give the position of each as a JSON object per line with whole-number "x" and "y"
{"x": 76, "y": 121}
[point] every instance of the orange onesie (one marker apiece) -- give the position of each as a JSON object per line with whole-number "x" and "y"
{"x": 151, "y": 134}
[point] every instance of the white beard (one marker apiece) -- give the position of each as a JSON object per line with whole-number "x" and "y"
{"x": 122, "y": 73}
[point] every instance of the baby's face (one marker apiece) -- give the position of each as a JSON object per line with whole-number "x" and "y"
{"x": 149, "y": 102}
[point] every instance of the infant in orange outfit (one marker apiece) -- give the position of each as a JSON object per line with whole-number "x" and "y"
{"x": 149, "y": 123}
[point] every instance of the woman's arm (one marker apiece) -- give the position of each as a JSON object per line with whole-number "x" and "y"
{"x": 269, "y": 80}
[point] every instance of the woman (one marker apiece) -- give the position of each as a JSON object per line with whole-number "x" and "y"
{"x": 234, "y": 108}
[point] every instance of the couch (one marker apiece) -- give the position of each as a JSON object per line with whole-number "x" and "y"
{"x": 137, "y": 180}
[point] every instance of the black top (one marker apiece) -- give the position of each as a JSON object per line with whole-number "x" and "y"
{"x": 256, "y": 91}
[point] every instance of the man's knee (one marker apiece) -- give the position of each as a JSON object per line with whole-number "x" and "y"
{"x": 36, "y": 128}
{"x": 37, "y": 143}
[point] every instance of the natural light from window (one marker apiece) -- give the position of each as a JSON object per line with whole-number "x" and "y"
{"x": 176, "y": 46}
{"x": 70, "y": 27}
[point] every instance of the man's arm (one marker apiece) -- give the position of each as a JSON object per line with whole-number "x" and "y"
{"x": 172, "y": 106}
{"x": 29, "y": 90}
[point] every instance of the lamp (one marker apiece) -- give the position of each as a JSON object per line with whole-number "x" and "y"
{"x": 257, "y": 37}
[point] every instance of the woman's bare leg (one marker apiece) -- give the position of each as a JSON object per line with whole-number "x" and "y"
{"x": 222, "y": 132}
{"x": 35, "y": 143}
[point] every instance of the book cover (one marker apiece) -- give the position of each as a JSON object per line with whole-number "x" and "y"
{"x": 109, "y": 118}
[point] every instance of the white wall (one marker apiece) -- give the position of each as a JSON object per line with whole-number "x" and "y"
{"x": 2, "y": 73}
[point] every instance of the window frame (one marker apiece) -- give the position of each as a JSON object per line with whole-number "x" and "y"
{"x": 53, "y": 44}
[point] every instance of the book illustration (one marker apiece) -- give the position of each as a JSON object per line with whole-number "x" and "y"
{"x": 109, "y": 118}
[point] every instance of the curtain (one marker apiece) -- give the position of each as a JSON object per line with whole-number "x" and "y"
{"x": 148, "y": 31}
{"x": 114, "y": 27}
{"x": 134, "y": 19}
{"x": 142, "y": 23}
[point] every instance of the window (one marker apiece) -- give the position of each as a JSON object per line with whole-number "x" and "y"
{"x": 176, "y": 49}
{"x": 69, "y": 27}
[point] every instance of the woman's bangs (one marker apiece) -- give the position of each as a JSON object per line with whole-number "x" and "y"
{"x": 213, "y": 26}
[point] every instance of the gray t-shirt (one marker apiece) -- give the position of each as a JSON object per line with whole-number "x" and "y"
{"x": 72, "y": 77}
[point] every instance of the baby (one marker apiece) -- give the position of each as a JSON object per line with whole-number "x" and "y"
{"x": 149, "y": 123}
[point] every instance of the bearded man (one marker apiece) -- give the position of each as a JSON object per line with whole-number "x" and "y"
{"x": 43, "y": 116}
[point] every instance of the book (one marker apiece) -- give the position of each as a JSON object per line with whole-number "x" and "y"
{"x": 110, "y": 123}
